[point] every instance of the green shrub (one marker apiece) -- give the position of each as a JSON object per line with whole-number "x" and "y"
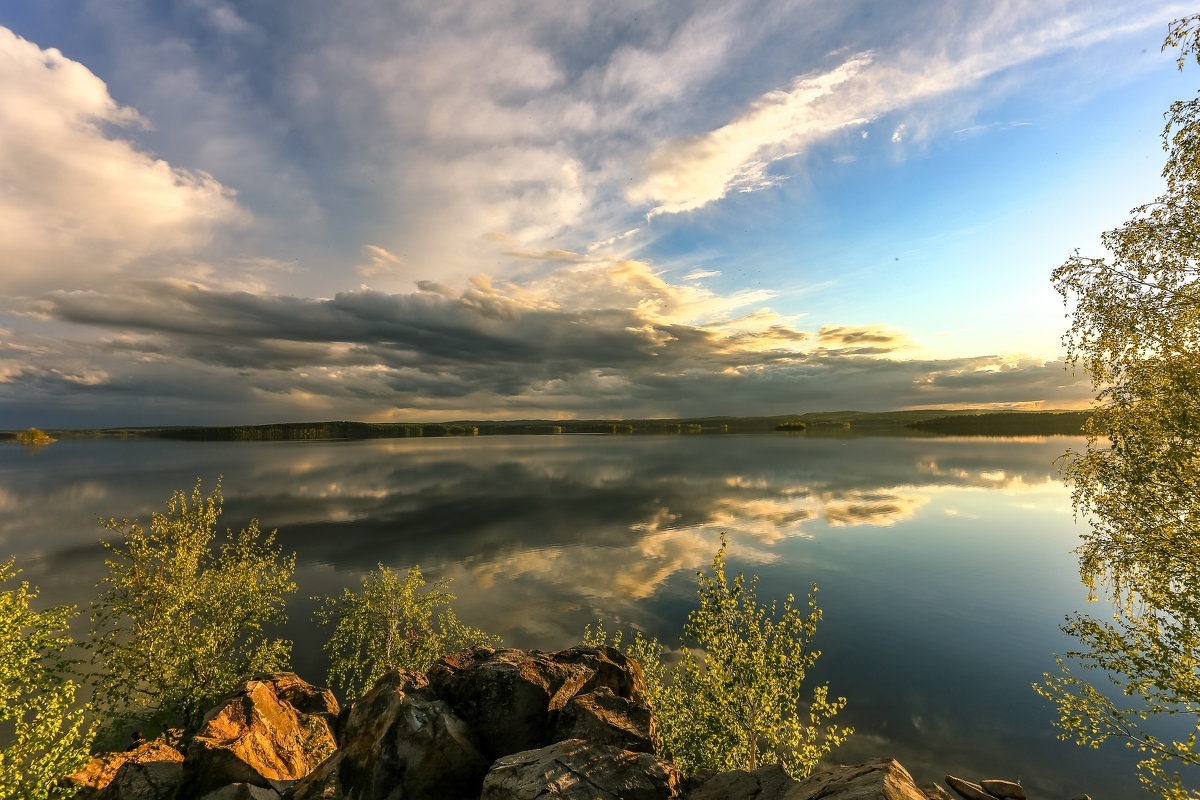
{"x": 393, "y": 622}
{"x": 735, "y": 701}
{"x": 37, "y": 696}
{"x": 179, "y": 621}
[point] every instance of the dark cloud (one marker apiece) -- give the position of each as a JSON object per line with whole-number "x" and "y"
{"x": 843, "y": 335}
{"x": 605, "y": 341}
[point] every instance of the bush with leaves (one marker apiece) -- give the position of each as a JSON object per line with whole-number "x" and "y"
{"x": 49, "y": 735}
{"x": 395, "y": 621}
{"x": 735, "y": 701}
{"x": 180, "y": 619}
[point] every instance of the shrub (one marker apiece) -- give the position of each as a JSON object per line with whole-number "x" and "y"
{"x": 735, "y": 701}
{"x": 179, "y": 620}
{"x": 391, "y": 623}
{"x": 37, "y": 697}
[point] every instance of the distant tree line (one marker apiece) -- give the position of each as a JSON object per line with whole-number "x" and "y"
{"x": 294, "y": 431}
{"x": 1014, "y": 423}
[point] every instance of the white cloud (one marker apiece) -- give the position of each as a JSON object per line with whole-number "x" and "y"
{"x": 76, "y": 204}
{"x": 379, "y": 262}
{"x": 686, "y": 174}
{"x": 689, "y": 172}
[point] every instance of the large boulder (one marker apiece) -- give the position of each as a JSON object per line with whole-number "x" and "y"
{"x": 242, "y": 791}
{"x": 881, "y": 779}
{"x": 399, "y": 741}
{"x": 765, "y": 783}
{"x": 150, "y": 771}
{"x": 512, "y": 698}
{"x": 576, "y": 770}
{"x": 270, "y": 732}
{"x": 602, "y": 717}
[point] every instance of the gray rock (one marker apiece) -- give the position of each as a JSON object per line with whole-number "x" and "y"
{"x": 882, "y": 779}
{"x": 241, "y": 791}
{"x": 399, "y": 741}
{"x": 511, "y": 698}
{"x": 1005, "y": 790}
{"x": 934, "y": 792}
{"x": 765, "y": 783}
{"x": 576, "y": 770}
{"x": 967, "y": 790}
{"x": 602, "y": 717}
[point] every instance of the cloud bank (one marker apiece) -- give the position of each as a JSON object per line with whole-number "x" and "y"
{"x": 601, "y": 340}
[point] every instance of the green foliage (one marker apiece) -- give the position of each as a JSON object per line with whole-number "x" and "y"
{"x": 49, "y": 736}
{"x": 1136, "y": 331}
{"x": 180, "y": 619}
{"x": 394, "y": 621}
{"x": 735, "y": 701}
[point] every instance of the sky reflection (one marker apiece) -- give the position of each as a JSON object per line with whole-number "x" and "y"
{"x": 944, "y": 565}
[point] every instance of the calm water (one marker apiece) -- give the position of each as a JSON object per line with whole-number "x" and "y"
{"x": 944, "y": 565}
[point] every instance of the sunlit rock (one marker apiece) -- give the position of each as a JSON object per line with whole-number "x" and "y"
{"x": 270, "y": 732}
{"x": 151, "y": 771}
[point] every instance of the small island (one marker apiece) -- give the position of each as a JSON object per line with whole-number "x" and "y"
{"x": 32, "y": 437}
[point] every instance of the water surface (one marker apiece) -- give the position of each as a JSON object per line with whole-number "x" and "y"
{"x": 944, "y": 564}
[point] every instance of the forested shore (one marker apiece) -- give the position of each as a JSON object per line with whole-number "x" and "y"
{"x": 964, "y": 422}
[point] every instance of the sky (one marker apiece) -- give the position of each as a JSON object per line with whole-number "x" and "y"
{"x": 218, "y": 212}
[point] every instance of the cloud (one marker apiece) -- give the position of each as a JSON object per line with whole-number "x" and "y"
{"x": 422, "y": 129}
{"x": 79, "y": 205}
{"x": 864, "y": 338}
{"x": 379, "y": 262}
{"x": 689, "y": 172}
{"x": 611, "y": 339}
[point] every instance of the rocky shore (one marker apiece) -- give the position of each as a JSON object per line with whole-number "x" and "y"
{"x": 479, "y": 725}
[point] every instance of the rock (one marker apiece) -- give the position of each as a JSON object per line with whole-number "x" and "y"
{"x": 765, "y": 783}
{"x": 270, "y": 732}
{"x": 882, "y": 779}
{"x": 576, "y": 770}
{"x": 511, "y": 698}
{"x": 302, "y": 695}
{"x": 241, "y": 791}
{"x": 1006, "y": 790}
{"x": 723, "y": 785}
{"x": 967, "y": 790}
{"x": 151, "y": 771}
{"x": 601, "y": 717}
{"x": 934, "y": 792}
{"x": 399, "y": 741}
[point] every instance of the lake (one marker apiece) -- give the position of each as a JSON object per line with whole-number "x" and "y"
{"x": 944, "y": 564}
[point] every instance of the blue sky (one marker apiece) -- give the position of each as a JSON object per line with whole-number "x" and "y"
{"x": 239, "y": 212}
